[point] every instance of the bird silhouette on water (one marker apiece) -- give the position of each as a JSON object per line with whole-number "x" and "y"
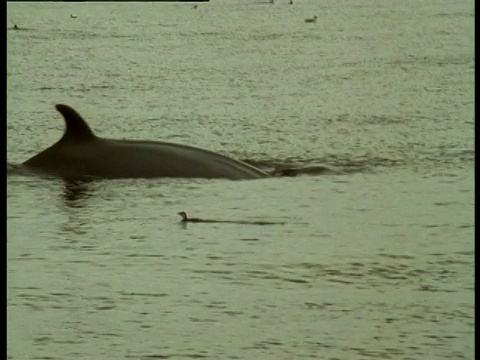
{"x": 186, "y": 219}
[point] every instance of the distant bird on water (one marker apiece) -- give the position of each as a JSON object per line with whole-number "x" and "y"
{"x": 186, "y": 219}
{"x": 73, "y": 16}
{"x": 311, "y": 20}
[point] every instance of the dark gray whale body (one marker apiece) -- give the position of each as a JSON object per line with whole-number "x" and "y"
{"x": 80, "y": 154}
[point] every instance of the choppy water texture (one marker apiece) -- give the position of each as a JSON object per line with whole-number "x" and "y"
{"x": 375, "y": 261}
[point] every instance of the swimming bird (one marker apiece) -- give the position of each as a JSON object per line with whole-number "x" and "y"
{"x": 311, "y": 20}
{"x": 73, "y": 16}
{"x": 185, "y": 218}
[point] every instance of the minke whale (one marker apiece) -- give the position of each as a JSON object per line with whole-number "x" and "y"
{"x": 80, "y": 154}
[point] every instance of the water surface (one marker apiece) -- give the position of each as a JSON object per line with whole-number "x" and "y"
{"x": 374, "y": 261}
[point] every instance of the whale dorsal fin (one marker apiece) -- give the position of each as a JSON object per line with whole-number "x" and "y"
{"x": 76, "y": 128}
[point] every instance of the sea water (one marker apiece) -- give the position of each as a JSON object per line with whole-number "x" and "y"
{"x": 374, "y": 261}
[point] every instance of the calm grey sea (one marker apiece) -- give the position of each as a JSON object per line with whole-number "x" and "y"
{"x": 375, "y": 261}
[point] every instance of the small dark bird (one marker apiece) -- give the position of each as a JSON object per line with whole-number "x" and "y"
{"x": 311, "y": 20}
{"x": 73, "y": 16}
{"x": 185, "y": 218}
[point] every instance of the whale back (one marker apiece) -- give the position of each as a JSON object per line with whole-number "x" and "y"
{"x": 80, "y": 153}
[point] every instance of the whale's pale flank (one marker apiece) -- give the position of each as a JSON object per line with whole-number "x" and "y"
{"x": 80, "y": 154}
